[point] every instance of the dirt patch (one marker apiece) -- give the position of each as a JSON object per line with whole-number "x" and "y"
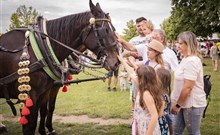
{"x": 82, "y": 119}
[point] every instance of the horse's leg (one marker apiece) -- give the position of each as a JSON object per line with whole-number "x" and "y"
{"x": 43, "y": 114}
{"x": 29, "y": 129}
{"x": 51, "y": 105}
{"x": 38, "y": 99}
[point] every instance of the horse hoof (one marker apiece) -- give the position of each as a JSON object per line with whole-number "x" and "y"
{"x": 52, "y": 133}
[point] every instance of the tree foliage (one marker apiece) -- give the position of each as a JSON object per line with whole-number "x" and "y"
{"x": 22, "y": 17}
{"x": 199, "y": 16}
{"x": 130, "y": 31}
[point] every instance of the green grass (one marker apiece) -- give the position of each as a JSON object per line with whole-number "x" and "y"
{"x": 76, "y": 129}
{"x": 92, "y": 99}
{"x": 211, "y": 124}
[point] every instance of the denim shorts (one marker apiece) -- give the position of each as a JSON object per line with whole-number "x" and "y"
{"x": 111, "y": 73}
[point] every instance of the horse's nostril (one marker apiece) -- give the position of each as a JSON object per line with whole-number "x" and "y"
{"x": 117, "y": 65}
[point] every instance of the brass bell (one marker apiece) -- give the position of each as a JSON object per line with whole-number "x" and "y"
{"x": 22, "y": 105}
{"x": 92, "y": 20}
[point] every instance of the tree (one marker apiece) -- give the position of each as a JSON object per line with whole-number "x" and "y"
{"x": 130, "y": 31}
{"x": 199, "y": 16}
{"x": 22, "y": 17}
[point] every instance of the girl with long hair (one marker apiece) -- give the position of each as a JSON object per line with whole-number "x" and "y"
{"x": 148, "y": 100}
{"x": 164, "y": 78}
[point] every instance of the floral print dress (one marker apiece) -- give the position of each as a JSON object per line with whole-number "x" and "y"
{"x": 162, "y": 120}
{"x": 143, "y": 118}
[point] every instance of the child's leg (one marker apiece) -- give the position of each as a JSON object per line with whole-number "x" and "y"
{"x": 121, "y": 86}
{"x": 216, "y": 65}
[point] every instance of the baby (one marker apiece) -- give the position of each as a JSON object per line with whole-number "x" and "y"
{"x": 123, "y": 79}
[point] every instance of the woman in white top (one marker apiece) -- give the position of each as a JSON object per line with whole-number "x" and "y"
{"x": 188, "y": 97}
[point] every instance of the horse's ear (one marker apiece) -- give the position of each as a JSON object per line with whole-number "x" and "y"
{"x": 92, "y": 6}
{"x": 96, "y": 10}
{"x": 98, "y": 7}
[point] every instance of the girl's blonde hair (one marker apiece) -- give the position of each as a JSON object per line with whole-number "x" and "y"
{"x": 159, "y": 59}
{"x": 148, "y": 82}
{"x": 148, "y": 24}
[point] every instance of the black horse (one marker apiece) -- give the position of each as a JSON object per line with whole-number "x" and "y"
{"x": 77, "y": 31}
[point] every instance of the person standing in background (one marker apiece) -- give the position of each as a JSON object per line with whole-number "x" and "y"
{"x": 214, "y": 54}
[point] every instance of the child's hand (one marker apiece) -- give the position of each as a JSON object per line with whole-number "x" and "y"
{"x": 120, "y": 58}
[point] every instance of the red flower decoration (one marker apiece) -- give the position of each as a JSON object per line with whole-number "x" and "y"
{"x": 25, "y": 111}
{"x": 64, "y": 88}
{"x": 29, "y": 102}
{"x": 23, "y": 120}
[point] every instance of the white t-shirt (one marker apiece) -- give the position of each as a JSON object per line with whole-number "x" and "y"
{"x": 140, "y": 40}
{"x": 190, "y": 68}
{"x": 170, "y": 59}
{"x": 140, "y": 45}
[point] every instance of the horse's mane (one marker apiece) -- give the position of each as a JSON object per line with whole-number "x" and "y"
{"x": 68, "y": 27}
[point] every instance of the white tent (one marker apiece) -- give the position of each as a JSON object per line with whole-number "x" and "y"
{"x": 214, "y": 37}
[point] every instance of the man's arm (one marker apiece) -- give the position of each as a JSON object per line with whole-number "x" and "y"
{"x": 126, "y": 44}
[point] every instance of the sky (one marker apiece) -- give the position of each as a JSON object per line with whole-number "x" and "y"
{"x": 121, "y": 11}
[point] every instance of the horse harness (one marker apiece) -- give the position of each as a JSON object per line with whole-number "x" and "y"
{"x": 48, "y": 56}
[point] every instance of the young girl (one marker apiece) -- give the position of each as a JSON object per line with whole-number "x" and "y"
{"x": 148, "y": 100}
{"x": 164, "y": 78}
{"x": 154, "y": 54}
{"x": 123, "y": 79}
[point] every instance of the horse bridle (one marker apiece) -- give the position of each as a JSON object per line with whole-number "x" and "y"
{"x": 100, "y": 34}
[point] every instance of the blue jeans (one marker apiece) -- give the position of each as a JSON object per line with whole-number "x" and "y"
{"x": 189, "y": 118}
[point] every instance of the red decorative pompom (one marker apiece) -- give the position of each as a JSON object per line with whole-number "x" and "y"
{"x": 70, "y": 77}
{"x": 25, "y": 111}
{"x": 29, "y": 102}
{"x": 64, "y": 88}
{"x": 23, "y": 120}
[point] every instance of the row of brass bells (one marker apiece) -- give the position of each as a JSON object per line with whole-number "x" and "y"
{"x": 23, "y": 63}
{"x": 22, "y": 96}
{"x": 23, "y": 71}
{"x": 24, "y": 79}
{"x": 24, "y": 87}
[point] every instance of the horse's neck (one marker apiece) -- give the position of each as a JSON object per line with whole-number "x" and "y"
{"x": 67, "y": 30}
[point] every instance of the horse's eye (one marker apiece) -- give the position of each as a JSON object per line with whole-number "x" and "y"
{"x": 107, "y": 30}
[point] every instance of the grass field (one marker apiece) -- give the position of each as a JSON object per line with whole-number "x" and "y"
{"x": 92, "y": 99}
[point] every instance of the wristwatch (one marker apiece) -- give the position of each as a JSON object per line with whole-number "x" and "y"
{"x": 178, "y": 106}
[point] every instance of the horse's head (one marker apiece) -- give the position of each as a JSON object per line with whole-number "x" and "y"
{"x": 100, "y": 39}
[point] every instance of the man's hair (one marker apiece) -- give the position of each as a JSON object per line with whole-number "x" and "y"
{"x": 140, "y": 19}
{"x": 162, "y": 34}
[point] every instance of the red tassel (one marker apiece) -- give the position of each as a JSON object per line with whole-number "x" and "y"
{"x": 64, "y": 88}
{"x": 70, "y": 77}
{"x": 25, "y": 111}
{"x": 29, "y": 102}
{"x": 23, "y": 120}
